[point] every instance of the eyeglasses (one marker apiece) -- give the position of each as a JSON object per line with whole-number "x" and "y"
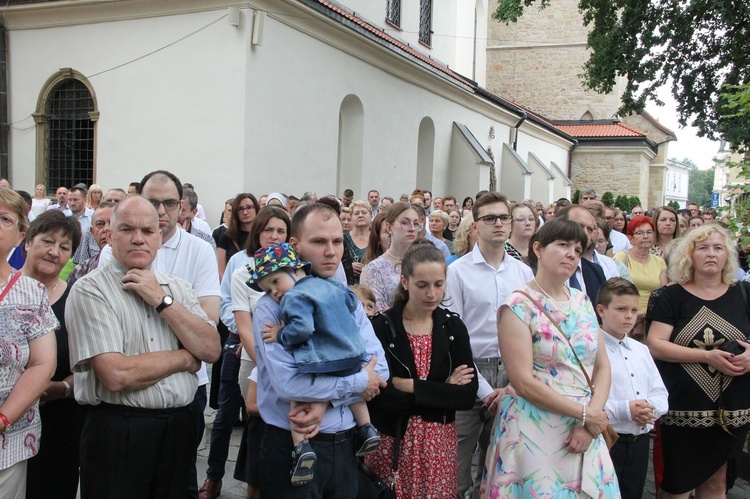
{"x": 642, "y": 233}
{"x": 523, "y": 220}
{"x": 492, "y": 219}
{"x": 248, "y": 207}
{"x": 7, "y": 221}
{"x": 609, "y": 219}
{"x": 406, "y": 225}
{"x": 169, "y": 204}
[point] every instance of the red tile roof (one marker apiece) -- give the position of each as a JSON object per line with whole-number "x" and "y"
{"x": 586, "y": 130}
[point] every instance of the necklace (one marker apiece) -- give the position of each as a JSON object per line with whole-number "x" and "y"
{"x": 388, "y": 252}
{"x": 414, "y": 331}
{"x": 557, "y": 304}
{"x": 52, "y": 289}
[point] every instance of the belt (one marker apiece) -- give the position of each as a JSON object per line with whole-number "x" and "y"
{"x": 138, "y": 412}
{"x": 627, "y": 437}
{"x": 490, "y": 361}
{"x": 335, "y": 438}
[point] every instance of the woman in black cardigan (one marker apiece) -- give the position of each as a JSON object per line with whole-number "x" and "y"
{"x": 432, "y": 376}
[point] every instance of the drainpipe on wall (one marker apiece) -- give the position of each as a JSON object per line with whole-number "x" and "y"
{"x": 515, "y": 134}
{"x": 570, "y": 159}
{"x": 4, "y": 126}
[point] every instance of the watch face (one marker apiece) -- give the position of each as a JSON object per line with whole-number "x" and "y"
{"x": 168, "y": 300}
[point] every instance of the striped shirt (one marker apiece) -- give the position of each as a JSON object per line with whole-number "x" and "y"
{"x": 103, "y": 318}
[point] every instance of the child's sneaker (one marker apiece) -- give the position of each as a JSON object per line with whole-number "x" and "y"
{"x": 303, "y": 460}
{"x": 368, "y": 439}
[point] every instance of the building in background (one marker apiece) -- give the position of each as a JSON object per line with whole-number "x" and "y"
{"x": 269, "y": 95}
{"x": 536, "y": 63}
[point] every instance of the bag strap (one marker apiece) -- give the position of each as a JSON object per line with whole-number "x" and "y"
{"x": 549, "y": 317}
{"x": 13, "y": 280}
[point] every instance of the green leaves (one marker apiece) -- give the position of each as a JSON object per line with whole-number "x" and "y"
{"x": 694, "y": 46}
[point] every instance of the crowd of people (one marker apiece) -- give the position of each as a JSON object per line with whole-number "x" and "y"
{"x": 405, "y": 339}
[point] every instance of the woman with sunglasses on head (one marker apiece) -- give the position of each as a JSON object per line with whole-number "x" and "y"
{"x": 383, "y": 274}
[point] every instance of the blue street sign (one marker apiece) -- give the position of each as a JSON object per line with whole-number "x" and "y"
{"x": 715, "y": 199}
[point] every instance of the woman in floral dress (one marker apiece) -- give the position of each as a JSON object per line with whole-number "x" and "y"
{"x": 546, "y": 439}
{"x": 432, "y": 376}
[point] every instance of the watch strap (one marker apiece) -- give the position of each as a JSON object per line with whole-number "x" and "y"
{"x": 6, "y": 422}
{"x": 165, "y": 302}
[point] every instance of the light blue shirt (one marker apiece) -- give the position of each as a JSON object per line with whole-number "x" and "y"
{"x": 279, "y": 381}
{"x": 226, "y": 315}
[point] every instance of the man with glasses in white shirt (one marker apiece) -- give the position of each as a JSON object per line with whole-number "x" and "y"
{"x": 476, "y": 285}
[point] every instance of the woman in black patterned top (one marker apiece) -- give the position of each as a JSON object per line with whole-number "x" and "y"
{"x": 694, "y": 323}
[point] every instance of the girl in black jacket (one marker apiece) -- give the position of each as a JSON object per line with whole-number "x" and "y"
{"x": 432, "y": 376}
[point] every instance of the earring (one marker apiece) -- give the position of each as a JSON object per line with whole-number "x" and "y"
{"x": 388, "y": 238}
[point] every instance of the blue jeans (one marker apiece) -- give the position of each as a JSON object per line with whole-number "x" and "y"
{"x": 230, "y": 403}
{"x": 335, "y": 470}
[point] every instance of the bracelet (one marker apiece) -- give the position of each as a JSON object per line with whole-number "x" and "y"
{"x": 6, "y": 422}
{"x": 68, "y": 390}
{"x": 583, "y": 418}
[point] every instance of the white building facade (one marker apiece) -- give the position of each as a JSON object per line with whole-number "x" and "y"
{"x": 262, "y": 96}
{"x": 676, "y": 183}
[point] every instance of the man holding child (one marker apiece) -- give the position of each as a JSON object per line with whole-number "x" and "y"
{"x": 323, "y": 416}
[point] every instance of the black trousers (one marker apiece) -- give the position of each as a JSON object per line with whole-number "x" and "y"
{"x": 128, "y": 452}
{"x": 630, "y": 457}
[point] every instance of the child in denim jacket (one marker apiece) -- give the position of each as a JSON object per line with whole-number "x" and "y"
{"x": 318, "y": 326}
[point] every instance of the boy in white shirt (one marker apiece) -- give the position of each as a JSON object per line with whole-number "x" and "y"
{"x": 637, "y": 396}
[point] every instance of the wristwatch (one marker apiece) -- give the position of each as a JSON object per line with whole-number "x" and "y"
{"x": 165, "y": 302}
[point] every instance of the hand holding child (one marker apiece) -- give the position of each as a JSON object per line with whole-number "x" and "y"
{"x": 271, "y": 332}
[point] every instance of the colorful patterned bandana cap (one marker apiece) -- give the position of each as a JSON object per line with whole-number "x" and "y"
{"x": 269, "y": 260}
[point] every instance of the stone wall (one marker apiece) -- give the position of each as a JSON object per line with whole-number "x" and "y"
{"x": 618, "y": 172}
{"x": 536, "y": 63}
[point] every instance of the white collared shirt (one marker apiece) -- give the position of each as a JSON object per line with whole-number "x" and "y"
{"x": 475, "y": 290}
{"x": 634, "y": 377}
{"x": 619, "y": 241}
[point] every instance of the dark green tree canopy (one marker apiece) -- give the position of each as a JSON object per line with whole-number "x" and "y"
{"x": 696, "y": 46}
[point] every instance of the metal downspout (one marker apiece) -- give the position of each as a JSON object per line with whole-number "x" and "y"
{"x": 4, "y": 126}
{"x": 518, "y": 125}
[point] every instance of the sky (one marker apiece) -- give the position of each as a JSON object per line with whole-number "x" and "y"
{"x": 688, "y": 144}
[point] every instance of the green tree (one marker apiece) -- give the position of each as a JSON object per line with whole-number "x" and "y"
{"x": 696, "y": 47}
{"x": 576, "y": 196}
{"x": 608, "y": 199}
{"x": 737, "y": 105}
{"x": 674, "y": 204}
{"x": 622, "y": 203}
{"x": 700, "y": 187}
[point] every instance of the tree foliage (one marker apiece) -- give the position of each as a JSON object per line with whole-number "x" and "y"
{"x": 700, "y": 187}
{"x": 737, "y": 104}
{"x": 608, "y": 199}
{"x": 697, "y": 47}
